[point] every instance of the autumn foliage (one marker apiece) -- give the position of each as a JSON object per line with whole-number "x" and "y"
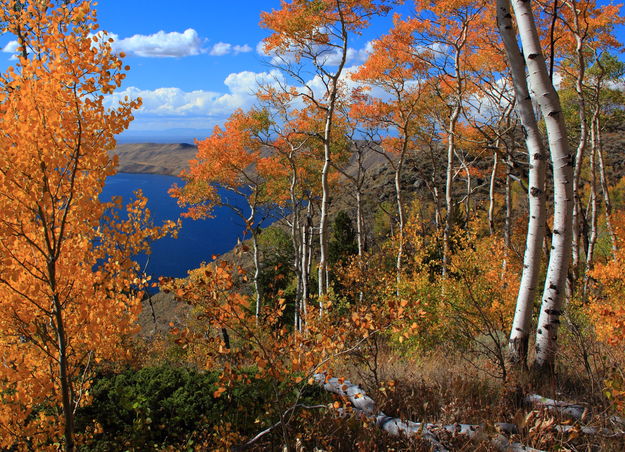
{"x": 69, "y": 287}
{"x": 401, "y": 191}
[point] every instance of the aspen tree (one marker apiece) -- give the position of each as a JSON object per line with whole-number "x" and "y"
{"x": 543, "y": 91}
{"x": 521, "y": 326}
{"x": 68, "y": 286}
{"x": 318, "y": 33}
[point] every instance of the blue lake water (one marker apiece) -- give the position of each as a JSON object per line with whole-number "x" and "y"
{"x": 197, "y": 241}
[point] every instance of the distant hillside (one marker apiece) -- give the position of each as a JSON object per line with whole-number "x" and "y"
{"x": 154, "y": 158}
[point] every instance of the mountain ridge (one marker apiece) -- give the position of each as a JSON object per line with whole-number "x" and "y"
{"x": 154, "y": 158}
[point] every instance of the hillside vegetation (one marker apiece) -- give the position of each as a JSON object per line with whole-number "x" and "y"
{"x": 444, "y": 271}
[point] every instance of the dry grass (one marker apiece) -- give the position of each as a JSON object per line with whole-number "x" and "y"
{"x": 443, "y": 389}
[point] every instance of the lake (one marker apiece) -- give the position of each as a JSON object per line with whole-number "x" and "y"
{"x": 197, "y": 241}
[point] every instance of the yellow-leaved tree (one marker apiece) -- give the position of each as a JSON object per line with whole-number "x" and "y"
{"x": 69, "y": 289}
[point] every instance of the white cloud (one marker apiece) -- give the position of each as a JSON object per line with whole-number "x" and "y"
{"x": 161, "y": 44}
{"x": 331, "y": 57}
{"x": 261, "y": 50}
{"x": 221, "y": 48}
{"x": 224, "y": 48}
{"x": 353, "y": 55}
{"x": 174, "y": 102}
{"x": 173, "y": 45}
{"x": 241, "y": 49}
{"x": 11, "y": 47}
{"x": 247, "y": 81}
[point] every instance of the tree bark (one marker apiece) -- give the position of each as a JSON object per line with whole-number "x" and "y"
{"x": 297, "y": 243}
{"x": 327, "y": 134}
{"x": 66, "y": 385}
{"x": 581, "y": 147}
{"x": 306, "y": 258}
{"x": 400, "y": 212}
{"x": 592, "y": 237}
{"x": 323, "y": 219}
{"x": 491, "y": 191}
{"x": 251, "y": 220}
{"x": 359, "y": 224}
{"x": 449, "y": 201}
{"x": 58, "y": 322}
{"x": 467, "y": 201}
{"x": 557, "y": 270}
{"x": 507, "y": 228}
{"x": 604, "y": 188}
{"x": 256, "y": 272}
{"x": 519, "y": 335}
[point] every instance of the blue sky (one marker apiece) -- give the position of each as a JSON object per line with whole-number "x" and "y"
{"x": 192, "y": 61}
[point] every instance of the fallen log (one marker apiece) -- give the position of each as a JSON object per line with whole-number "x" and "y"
{"x": 572, "y": 410}
{"x": 365, "y": 405}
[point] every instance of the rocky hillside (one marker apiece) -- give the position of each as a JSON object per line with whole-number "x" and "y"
{"x": 154, "y": 158}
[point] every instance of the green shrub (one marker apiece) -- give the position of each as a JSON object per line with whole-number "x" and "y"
{"x": 166, "y": 405}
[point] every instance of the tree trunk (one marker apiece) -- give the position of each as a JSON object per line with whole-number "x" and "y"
{"x": 449, "y": 201}
{"x": 581, "y": 149}
{"x": 306, "y": 258}
{"x": 66, "y": 384}
{"x": 297, "y": 245}
{"x": 256, "y": 271}
{"x": 327, "y": 138}
{"x": 400, "y": 214}
{"x": 359, "y": 223}
{"x": 304, "y": 268}
{"x": 592, "y": 238}
{"x": 491, "y": 191}
{"x": 467, "y": 201}
{"x": 604, "y": 188}
{"x": 519, "y": 335}
{"x": 557, "y": 270}
{"x": 251, "y": 220}
{"x": 323, "y": 236}
{"x": 507, "y": 228}
{"x": 437, "y": 214}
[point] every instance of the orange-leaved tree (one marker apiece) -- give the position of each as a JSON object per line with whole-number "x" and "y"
{"x": 68, "y": 286}
{"x": 228, "y": 337}
{"x": 402, "y": 76}
{"x": 449, "y": 36}
{"x": 587, "y": 29}
{"x": 291, "y": 142}
{"x": 230, "y": 159}
{"x": 310, "y": 43}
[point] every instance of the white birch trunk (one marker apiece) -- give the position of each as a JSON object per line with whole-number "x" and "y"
{"x": 449, "y": 201}
{"x": 327, "y": 134}
{"x": 306, "y": 258}
{"x": 251, "y": 224}
{"x": 491, "y": 191}
{"x": 365, "y": 405}
{"x": 581, "y": 147}
{"x": 604, "y": 188}
{"x": 467, "y": 201}
{"x": 557, "y": 270}
{"x": 592, "y": 237}
{"x": 400, "y": 214}
{"x": 323, "y": 218}
{"x": 519, "y": 335}
{"x": 507, "y": 228}
{"x": 297, "y": 244}
{"x": 359, "y": 223}
{"x": 437, "y": 207}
